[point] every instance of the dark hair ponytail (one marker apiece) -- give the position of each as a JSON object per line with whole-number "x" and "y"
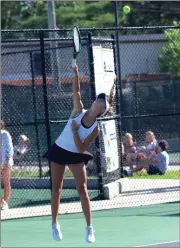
{"x": 111, "y": 97}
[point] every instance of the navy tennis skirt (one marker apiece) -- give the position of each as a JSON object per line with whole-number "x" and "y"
{"x": 61, "y": 156}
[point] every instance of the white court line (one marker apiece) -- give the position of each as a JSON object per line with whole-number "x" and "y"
{"x": 174, "y": 241}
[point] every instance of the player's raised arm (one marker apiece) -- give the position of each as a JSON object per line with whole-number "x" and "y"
{"x": 77, "y": 103}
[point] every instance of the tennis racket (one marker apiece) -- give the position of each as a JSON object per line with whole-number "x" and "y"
{"x": 76, "y": 41}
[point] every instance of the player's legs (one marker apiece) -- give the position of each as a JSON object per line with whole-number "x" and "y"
{"x": 6, "y": 173}
{"x": 79, "y": 173}
{"x": 57, "y": 173}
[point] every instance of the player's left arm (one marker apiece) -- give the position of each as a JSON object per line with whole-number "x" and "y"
{"x": 82, "y": 146}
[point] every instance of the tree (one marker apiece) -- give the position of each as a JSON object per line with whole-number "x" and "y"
{"x": 23, "y": 15}
{"x": 33, "y": 14}
{"x": 170, "y": 56}
{"x": 153, "y": 13}
{"x": 10, "y": 15}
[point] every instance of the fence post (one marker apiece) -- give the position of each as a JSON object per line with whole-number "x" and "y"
{"x": 35, "y": 113}
{"x": 119, "y": 81}
{"x": 118, "y": 111}
{"x": 43, "y": 70}
{"x": 93, "y": 96}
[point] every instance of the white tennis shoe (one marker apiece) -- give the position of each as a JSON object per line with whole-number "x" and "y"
{"x": 90, "y": 238}
{"x": 56, "y": 231}
{"x": 4, "y": 206}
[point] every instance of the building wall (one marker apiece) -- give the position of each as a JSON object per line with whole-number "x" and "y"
{"x": 138, "y": 54}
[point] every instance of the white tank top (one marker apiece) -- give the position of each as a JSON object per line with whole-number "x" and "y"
{"x": 66, "y": 140}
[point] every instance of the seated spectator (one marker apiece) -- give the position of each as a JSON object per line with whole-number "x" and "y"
{"x": 155, "y": 164}
{"x": 151, "y": 145}
{"x": 152, "y": 142}
{"x": 22, "y": 147}
{"x": 129, "y": 150}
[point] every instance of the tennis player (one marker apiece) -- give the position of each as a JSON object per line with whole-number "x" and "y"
{"x": 70, "y": 149}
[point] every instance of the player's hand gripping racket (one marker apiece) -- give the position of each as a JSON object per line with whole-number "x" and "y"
{"x": 76, "y": 41}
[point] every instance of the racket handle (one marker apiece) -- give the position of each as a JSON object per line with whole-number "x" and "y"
{"x": 74, "y": 55}
{"x": 74, "y": 63}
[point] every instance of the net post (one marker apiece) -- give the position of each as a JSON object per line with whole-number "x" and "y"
{"x": 93, "y": 97}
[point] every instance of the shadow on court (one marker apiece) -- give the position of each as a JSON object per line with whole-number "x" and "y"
{"x": 152, "y": 190}
{"x": 169, "y": 244}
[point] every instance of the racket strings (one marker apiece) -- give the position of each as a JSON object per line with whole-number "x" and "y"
{"x": 76, "y": 39}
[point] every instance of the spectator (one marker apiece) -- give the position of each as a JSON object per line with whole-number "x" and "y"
{"x": 152, "y": 142}
{"x": 150, "y": 147}
{"x": 130, "y": 150}
{"x": 22, "y": 147}
{"x": 156, "y": 164}
{"x": 122, "y": 149}
{"x": 6, "y": 164}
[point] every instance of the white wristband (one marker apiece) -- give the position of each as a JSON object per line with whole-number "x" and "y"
{"x": 74, "y": 63}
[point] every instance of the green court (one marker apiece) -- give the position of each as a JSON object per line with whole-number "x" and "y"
{"x": 123, "y": 227}
{"x": 174, "y": 157}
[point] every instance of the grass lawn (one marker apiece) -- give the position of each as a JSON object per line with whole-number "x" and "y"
{"x": 35, "y": 174}
{"x": 171, "y": 174}
{"x": 29, "y": 174}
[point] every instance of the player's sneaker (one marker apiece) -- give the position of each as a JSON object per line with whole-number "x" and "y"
{"x": 128, "y": 173}
{"x": 90, "y": 238}
{"x": 4, "y": 206}
{"x": 56, "y": 231}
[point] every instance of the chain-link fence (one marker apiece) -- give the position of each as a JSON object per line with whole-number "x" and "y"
{"x": 37, "y": 101}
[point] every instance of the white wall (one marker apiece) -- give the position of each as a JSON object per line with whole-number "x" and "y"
{"x": 139, "y": 55}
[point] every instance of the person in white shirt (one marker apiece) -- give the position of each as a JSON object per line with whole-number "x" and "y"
{"x": 151, "y": 142}
{"x": 6, "y": 164}
{"x": 70, "y": 149}
{"x": 130, "y": 150}
{"x": 150, "y": 147}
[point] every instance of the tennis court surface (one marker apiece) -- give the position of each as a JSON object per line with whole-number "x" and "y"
{"x": 154, "y": 225}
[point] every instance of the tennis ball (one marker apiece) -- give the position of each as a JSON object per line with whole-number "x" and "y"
{"x": 126, "y": 9}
